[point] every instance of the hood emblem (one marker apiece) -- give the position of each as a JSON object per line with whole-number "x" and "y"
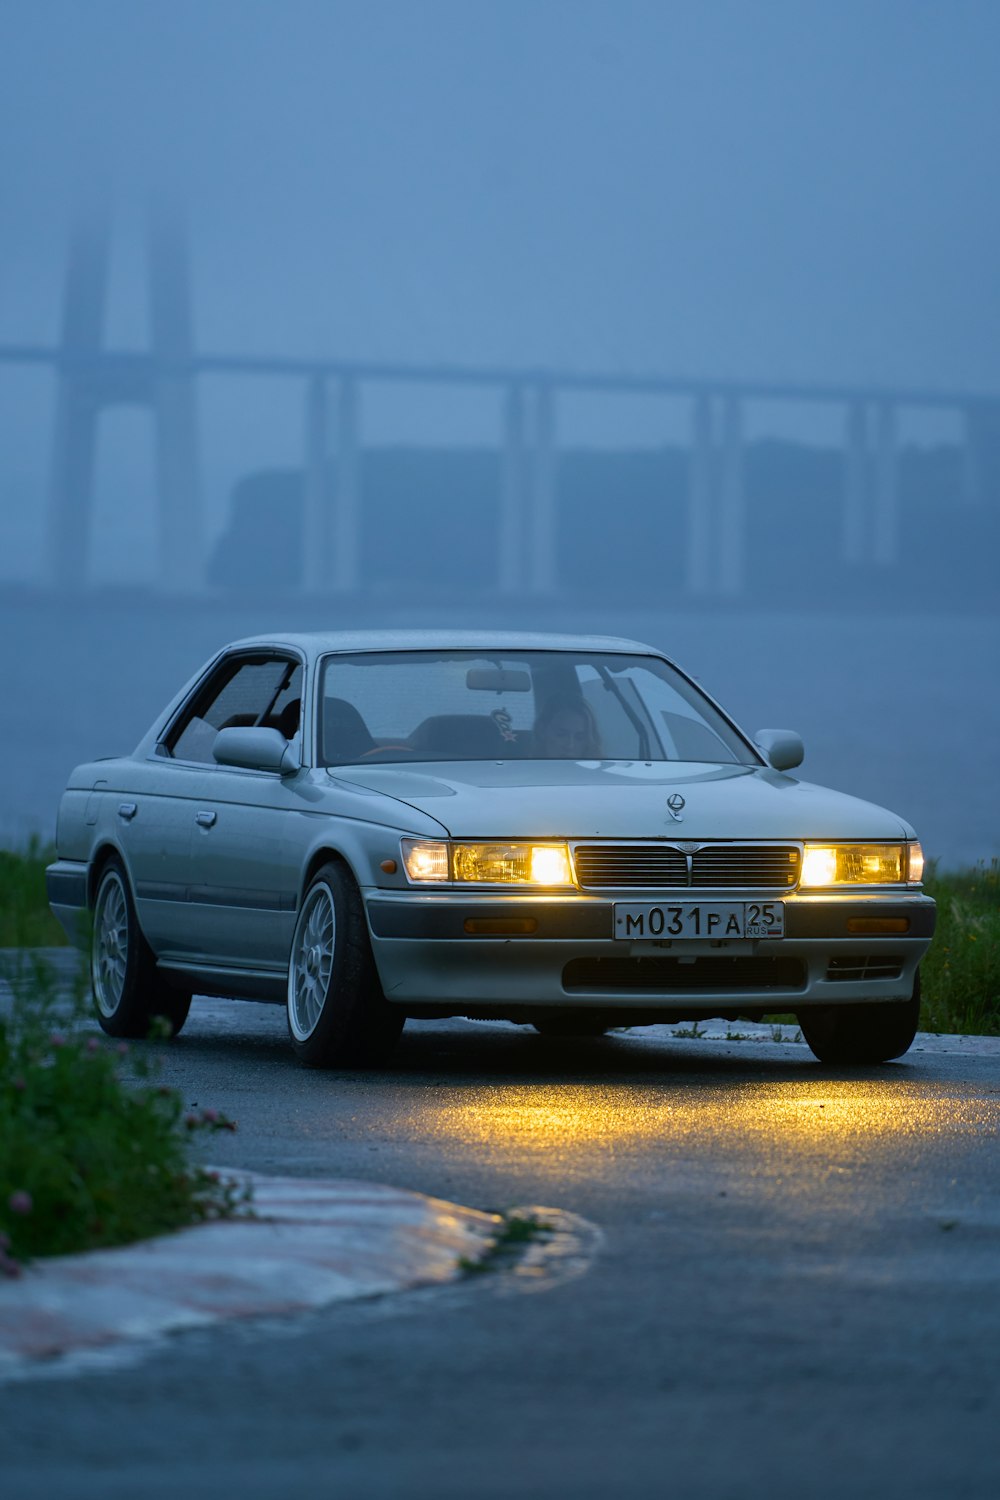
{"x": 675, "y": 806}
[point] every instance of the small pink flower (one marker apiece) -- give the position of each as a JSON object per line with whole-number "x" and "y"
{"x": 93, "y": 1044}
{"x": 122, "y": 1049}
{"x": 20, "y": 1202}
{"x": 57, "y": 1039}
{"x": 210, "y": 1116}
{"x": 191, "y": 1121}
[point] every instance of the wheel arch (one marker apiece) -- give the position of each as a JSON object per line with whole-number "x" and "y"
{"x": 326, "y": 853}
{"x": 105, "y": 851}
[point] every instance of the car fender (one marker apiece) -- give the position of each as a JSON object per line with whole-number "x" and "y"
{"x": 364, "y": 847}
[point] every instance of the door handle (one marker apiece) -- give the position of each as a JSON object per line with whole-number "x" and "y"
{"x": 204, "y": 819}
{"x": 127, "y": 810}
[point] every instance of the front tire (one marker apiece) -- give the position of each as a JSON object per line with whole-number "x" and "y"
{"x": 130, "y": 995}
{"x": 865, "y": 1033}
{"x": 338, "y": 1016}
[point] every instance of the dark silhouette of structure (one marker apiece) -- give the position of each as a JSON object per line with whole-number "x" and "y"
{"x": 163, "y": 378}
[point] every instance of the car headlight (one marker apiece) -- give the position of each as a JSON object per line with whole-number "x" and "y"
{"x": 861, "y": 864}
{"x": 432, "y": 861}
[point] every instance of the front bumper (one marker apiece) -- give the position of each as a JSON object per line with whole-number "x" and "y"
{"x": 486, "y": 954}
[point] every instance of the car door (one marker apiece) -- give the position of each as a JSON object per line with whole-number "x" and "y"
{"x": 237, "y": 894}
{"x": 243, "y": 863}
{"x": 151, "y": 822}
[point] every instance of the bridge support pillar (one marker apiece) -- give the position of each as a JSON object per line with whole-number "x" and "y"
{"x": 732, "y": 507}
{"x": 715, "y": 563}
{"x": 885, "y": 548}
{"x": 347, "y": 506}
{"x": 512, "y": 488}
{"x": 855, "y": 508}
{"x": 331, "y": 549}
{"x": 179, "y": 511}
{"x": 542, "y": 571}
{"x": 91, "y": 381}
{"x": 71, "y": 486}
{"x": 316, "y": 549}
{"x": 701, "y": 500}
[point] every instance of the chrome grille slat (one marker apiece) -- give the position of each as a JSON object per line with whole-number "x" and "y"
{"x": 713, "y": 866}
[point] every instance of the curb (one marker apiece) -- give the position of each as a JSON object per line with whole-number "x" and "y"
{"x": 309, "y": 1243}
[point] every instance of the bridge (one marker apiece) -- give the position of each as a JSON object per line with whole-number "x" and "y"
{"x": 92, "y": 378}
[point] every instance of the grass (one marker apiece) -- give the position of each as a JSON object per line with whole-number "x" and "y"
{"x": 517, "y": 1230}
{"x": 25, "y": 918}
{"x": 960, "y": 975}
{"x": 93, "y": 1151}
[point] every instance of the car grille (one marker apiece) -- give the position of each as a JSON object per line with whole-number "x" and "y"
{"x": 719, "y": 866}
{"x": 670, "y": 974}
{"x": 865, "y": 966}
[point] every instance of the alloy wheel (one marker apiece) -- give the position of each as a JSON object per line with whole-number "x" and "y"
{"x": 311, "y": 962}
{"x": 109, "y": 958}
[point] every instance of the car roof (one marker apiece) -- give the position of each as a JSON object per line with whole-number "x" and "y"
{"x": 319, "y": 643}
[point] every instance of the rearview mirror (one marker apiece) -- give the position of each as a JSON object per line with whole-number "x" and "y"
{"x": 254, "y": 749}
{"x": 782, "y": 748}
{"x": 497, "y": 680}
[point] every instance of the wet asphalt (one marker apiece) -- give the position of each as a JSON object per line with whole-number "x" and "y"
{"x": 798, "y": 1292}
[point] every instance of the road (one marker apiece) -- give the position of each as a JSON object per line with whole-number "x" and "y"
{"x": 797, "y": 1293}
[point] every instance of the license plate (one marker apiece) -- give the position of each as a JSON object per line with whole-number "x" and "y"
{"x": 699, "y": 919}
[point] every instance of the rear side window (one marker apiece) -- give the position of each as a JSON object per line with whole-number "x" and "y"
{"x": 242, "y": 691}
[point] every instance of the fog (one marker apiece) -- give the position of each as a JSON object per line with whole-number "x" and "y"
{"x": 781, "y": 217}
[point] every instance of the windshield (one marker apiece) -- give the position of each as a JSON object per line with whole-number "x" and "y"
{"x": 411, "y": 706}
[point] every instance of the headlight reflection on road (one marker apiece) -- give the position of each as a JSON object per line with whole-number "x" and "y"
{"x": 870, "y": 1116}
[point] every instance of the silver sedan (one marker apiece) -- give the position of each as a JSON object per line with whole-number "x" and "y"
{"x": 560, "y": 831}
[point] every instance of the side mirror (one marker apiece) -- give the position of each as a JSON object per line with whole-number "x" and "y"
{"x": 255, "y": 749}
{"x": 782, "y": 748}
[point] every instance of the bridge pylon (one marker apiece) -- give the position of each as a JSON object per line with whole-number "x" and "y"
{"x": 92, "y": 380}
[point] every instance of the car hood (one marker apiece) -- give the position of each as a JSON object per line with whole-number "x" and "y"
{"x": 624, "y": 799}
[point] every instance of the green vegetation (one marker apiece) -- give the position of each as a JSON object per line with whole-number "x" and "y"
{"x": 92, "y": 1150}
{"x": 960, "y": 977}
{"x": 25, "y": 918}
{"x": 516, "y": 1230}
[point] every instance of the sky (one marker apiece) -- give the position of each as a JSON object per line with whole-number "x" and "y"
{"x": 762, "y": 189}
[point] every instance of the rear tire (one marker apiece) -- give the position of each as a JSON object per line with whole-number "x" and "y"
{"x": 130, "y": 995}
{"x": 865, "y": 1033}
{"x": 338, "y": 1016}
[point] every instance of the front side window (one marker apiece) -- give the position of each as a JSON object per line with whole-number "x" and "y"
{"x": 242, "y": 691}
{"x": 409, "y": 706}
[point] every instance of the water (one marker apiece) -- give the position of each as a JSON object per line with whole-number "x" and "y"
{"x": 902, "y": 711}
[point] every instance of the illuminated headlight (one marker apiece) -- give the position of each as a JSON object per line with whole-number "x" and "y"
{"x": 861, "y": 864}
{"x": 430, "y": 861}
{"x": 426, "y": 860}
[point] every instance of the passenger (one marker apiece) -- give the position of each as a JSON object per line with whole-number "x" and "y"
{"x": 565, "y": 729}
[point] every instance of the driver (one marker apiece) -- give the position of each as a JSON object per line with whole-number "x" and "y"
{"x": 565, "y": 729}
